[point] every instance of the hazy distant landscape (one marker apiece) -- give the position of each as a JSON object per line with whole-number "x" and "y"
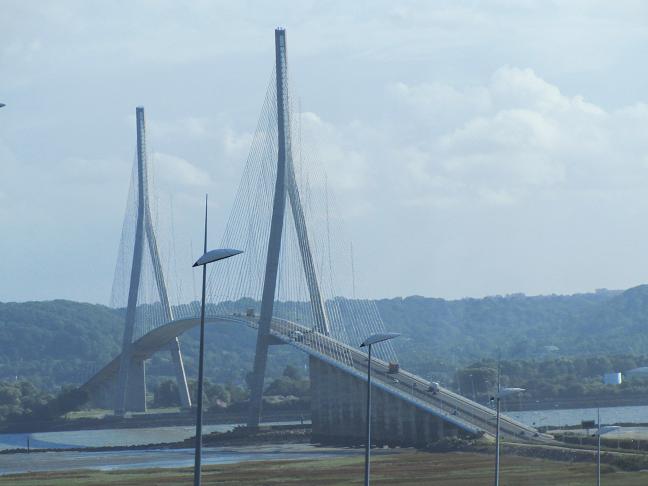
{"x": 558, "y": 346}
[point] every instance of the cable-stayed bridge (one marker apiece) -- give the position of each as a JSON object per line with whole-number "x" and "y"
{"x": 286, "y": 286}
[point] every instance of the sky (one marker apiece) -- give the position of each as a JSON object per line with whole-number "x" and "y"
{"x": 475, "y": 147}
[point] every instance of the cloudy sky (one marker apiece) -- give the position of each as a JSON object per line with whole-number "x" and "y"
{"x": 477, "y": 148}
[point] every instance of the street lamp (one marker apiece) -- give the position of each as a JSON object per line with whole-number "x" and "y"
{"x": 369, "y": 342}
{"x": 207, "y": 258}
{"x": 501, "y": 393}
{"x": 599, "y": 432}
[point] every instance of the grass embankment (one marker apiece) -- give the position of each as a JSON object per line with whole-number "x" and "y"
{"x": 104, "y": 412}
{"x": 401, "y": 468}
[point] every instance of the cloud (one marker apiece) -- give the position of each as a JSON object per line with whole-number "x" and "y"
{"x": 332, "y": 149}
{"x": 194, "y": 128}
{"x": 440, "y": 124}
{"x": 236, "y": 144}
{"x": 508, "y": 139}
{"x": 175, "y": 170}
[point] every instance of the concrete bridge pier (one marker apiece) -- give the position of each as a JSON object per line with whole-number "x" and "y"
{"x": 378, "y": 416}
{"x": 104, "y": 395}
{"x": 136, "y": 387}
{"x": 338, "y": 402}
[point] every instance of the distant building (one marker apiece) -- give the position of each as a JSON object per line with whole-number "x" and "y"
{"x": 612, "y": 378}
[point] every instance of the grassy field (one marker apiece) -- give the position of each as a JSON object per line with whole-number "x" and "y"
{"x": 404, "y": 468}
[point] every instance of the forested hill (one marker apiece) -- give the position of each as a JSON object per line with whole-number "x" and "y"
{"x": 57, "y": 342}
{"x": 441, "y": 334}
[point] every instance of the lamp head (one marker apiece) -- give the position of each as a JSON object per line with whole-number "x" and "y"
{"x": 215, "y": 255}
{"x": 378, "y": 338}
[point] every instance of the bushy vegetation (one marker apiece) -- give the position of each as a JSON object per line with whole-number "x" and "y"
{"x": 440, "y": 336}
{"x": 290, "y": 386}
{"x": 52, "y": 344}
{"x": 22, "y": 401}
{"x": 575, "y": 381}
{"x": 216, "y": 395}
{"x": 290, "y": 383}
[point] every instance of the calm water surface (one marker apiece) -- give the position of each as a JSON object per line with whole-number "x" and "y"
{"x": 114, "y": 460}
{"x": 559, "y": 418}
{"x": 64, "y": 460}
{"x": 106, "y": 437}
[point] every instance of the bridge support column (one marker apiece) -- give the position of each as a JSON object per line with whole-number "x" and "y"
{"x": 285, "y": 186}
{"x": 420, "y": 428}
{"x": 130, "y": 371}
{"x": 396, "y": 421}
{"x": 338, "y": 401}
{"x": 316, "y": 398}
{"x": 378, "y": 425}
{"x": 427, "y": 429}
{"x": 136, "y": 388}
{"x": 407, "y": 423}
{"x": 347, "y": 416}
{"x": 357, "y": 398}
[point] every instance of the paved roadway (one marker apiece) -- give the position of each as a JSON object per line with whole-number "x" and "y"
{"x": 446, "y": 403}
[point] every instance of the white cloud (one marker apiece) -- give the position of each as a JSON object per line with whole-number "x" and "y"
{"x": 236, "y": 144}
{"x": 195, "y": 128}
{"x": 518, "y": 134}
{"x": 177, "y": 171}
{"x": 454, "y": 126}
{"x": 334, "y": 150}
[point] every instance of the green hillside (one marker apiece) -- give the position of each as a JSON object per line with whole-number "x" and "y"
{"x": 61, "y": 342}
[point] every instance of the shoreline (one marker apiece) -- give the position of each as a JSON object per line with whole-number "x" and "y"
{"x": 239, "y": 436}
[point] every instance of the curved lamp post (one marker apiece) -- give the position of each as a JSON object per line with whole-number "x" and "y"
{"x": 599, "y": 432}
{"x": 501, "y": 393}
{"x": 207, "y": 258}
{"x": 369, "y": 342}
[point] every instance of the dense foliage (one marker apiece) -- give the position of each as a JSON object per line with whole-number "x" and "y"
{"x": 440, "y": 336}
{"x": 51, "y": 344}
{"x": 563, "y": 382}
{"x": 290, "y": 385}
{"x": 22, "y": 401}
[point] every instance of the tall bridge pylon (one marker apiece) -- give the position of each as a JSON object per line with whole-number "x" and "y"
{"x": 131, "y": 379}
{"x": 292, "y": 274}
{"x": 285, "y": 188}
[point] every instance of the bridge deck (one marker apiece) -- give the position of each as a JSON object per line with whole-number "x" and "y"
{"x": 451, "y": 407}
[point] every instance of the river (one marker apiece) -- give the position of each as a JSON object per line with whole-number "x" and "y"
{"x": 153, "y": 457}
{"x": 562, "y": 417}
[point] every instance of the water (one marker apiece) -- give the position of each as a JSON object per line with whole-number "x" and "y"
{"x": 152, "y": 457}
{"x": 105, "y": 437}
{"x": 158, "y": 458}
{"x": 562, "y": 417}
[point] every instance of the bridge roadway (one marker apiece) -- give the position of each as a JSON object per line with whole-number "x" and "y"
{"x": 466, "y": 414}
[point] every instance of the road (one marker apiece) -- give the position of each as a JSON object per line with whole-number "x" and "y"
{"x": 446, "y": 403}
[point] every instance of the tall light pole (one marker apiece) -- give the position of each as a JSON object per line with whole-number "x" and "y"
{"x": 501, "y": 393}
{"x": 599, "y": 432}
{"x": 207, "y": 258}
{"x": 369, "y": 342}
